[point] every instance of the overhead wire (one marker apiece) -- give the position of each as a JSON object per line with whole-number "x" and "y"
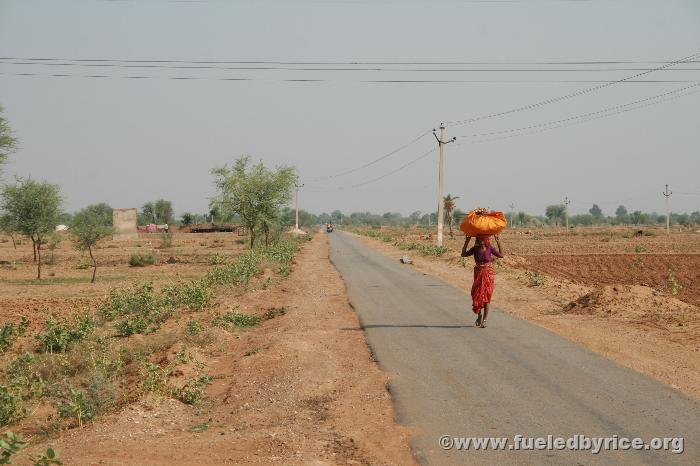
{"x": 584, "y": 115}
{"x": 280, "y": 67}
{"x": 672, "y": 95}
{"x": 348, "y": 63}
{"x": 570, "y": 95}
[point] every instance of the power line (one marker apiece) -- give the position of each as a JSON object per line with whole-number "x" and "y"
{"x": 381, "y": 177}
{"x": 368, "y": 164}
{"x": 579, "y": 122}
{"x": 353, "y": 62}
{"x": 571, "y": 95}
{"x": 275, "y": 67}
{"x": 422, "y": 156}
{"x": 365, "y": 81}
{"x": 584, "y": 115}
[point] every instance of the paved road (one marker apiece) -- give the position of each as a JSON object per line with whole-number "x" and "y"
{"x": 451, "y": 378}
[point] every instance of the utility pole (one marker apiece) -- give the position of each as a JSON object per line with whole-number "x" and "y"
{"x": 667, "y": 194}
{"x": 566, "y": 212}
{"x": 512, "y": 211}
{"x": 441, "y": 179}
{"x": 297, "y": 186}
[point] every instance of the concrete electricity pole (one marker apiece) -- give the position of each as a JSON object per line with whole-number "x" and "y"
{"x": 667, "y": 194}
{"x": 566, "y": 212}
{"x": 512, "y": 211}
{"x": 441, "y": 179}
{"x": 297, "y": 186}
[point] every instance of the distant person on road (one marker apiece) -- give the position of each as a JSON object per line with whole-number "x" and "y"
{"x": 484, "y": 276}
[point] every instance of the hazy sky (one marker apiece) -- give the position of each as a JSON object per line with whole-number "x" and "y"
{"x": 136, "y": 134}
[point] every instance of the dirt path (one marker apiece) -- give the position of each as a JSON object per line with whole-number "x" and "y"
{"x": 301, "y": 389}
{"x": 631, "y": 325}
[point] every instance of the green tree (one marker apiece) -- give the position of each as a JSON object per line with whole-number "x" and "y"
{"x": 621, "y": 215}
{"x": 33, "y": 208}
{"x": 253, "y": 192}
{"x": 555, "y": 213}
{"x": 88, "y": 229}
{"x": 148, "y": 213}
{"x": 8, "y": 143}
{"x": 187, "y": 219}
{"x": 101, "y": 210}
{"x": 596, "y": 212}
{"x": 164, "y": 211}
{"x": 160, "y": 212}
{"x": 523, "y": 218}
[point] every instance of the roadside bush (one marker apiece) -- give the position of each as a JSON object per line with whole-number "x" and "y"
{"x": 195, "y": 295}
{"x": 11, "y": 408}
{"x": 10, "y": 445}
{"x": 216, "y": 258}
{"x": 134, "y": 325}
{"x": 83, "y": 263}
{"x": 24, "y": 378}
{"x": 194, "y": 327}
{"x": 193, "y": 391}
{"x": 423, "y": 249}
{"x": 75, "y": 403}
{"x": 137, "y": 260}
{"x": 139, "y": 299}
{"x": 232, "y": 320}
{"x": 535, "y": 278}
{"x": 10, "y": 332}
{"x": 273, "y": 312}
{"x": 59, "y": 334}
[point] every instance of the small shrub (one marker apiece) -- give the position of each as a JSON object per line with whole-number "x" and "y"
{"x": 194, "y": 327}
{"x": 46, "y": 459}
{"x": 156, "y": 379}
{"x": 10, "y": 445}
{"x": 639, "y": 249}
{"x": 274, "y": 312}
{"x": 195, "y": 295}
{"x": 139, "y": 299}
{"x": 76, "y": 403}
{"x": 11, "y": 408}
{"x": 10, "y": 332}
{"x": 216, "y": 259}
{"x": 59, "y": 334}
{"x": 137, "y": 260}
{"x": 134, "y": 325}
{"x": 192, "y": 392}
{"x": 232, "y": 320}
{"x": 674, "y": 285}
{"x": 83, "y": 263}
{"x": 536, "y": 278}
{"x": 24, "y": 377}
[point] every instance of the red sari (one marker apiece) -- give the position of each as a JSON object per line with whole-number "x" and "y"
{"x": 484, "y": 276}
{"x": 482, "y": 288}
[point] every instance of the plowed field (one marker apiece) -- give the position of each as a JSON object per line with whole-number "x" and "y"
{"x": 653, "y": 270}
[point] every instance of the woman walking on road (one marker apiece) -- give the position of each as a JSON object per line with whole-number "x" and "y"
{"x": 484, "y": 276}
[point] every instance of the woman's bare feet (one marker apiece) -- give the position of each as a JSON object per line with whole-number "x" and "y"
{"x": 477, "y": 323}
{"x": 483, "y": 324}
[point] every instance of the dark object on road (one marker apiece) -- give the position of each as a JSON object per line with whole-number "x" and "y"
{"x": 639, "y": 233}
{"x": 405, "y": 260}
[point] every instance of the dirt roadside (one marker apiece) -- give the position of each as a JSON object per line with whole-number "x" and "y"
{"x": 653, "y": 334}
{"x": 300, "y": 389}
